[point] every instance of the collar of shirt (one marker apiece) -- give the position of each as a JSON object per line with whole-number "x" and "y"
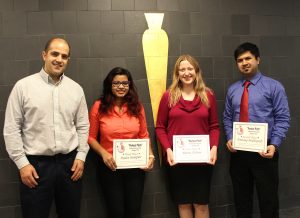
{"x": 189, "y": 106}
{"x": 254, "y": 80}
{"x": 45, "y": 76}
{"x": 117, "y": 111}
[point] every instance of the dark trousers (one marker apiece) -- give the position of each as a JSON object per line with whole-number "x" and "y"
{"x": 54, "y": 183}
{"x": 247, "y": 169}
{"x": 123, "y": 191}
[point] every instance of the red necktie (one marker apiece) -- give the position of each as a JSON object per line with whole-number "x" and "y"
{"x": 244, "y": 113}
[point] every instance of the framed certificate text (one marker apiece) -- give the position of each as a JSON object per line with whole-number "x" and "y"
{"x": 250, "y": 136}
{"x": 191, "y": 148}
{"x": 131, "y": 153}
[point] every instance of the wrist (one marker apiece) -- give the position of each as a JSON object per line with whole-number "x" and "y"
{"x": 168, "y": 149}
{"x": 152, "y": 156}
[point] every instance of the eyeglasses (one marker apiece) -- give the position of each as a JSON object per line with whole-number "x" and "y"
{"x": 118, "y": 83}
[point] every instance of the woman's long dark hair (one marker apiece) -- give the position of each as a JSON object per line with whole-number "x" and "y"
{"x": 107, "y": 97}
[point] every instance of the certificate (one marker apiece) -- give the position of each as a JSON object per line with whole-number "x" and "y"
{"x": 250, "y": 136}
{"x": 191, "y": 148}
{"x": 131, "y": 153}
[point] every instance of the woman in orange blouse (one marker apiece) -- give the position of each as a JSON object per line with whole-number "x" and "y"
{"x": 118, "y": 114}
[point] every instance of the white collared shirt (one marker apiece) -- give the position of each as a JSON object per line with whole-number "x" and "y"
{"x": 43, "y": 118}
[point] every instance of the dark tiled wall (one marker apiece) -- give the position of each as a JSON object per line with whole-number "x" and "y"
{"x": 108, "y": 33}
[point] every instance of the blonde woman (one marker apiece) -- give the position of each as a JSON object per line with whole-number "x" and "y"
{"x": 188, "y": 107}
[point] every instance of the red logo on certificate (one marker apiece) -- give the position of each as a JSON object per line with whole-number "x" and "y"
{"x": 240, "y": 130}
{"x": 120, "y": 147}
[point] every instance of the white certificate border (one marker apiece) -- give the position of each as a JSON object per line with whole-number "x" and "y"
{"x": 178, "y": 160}
{"x": 251, "y": 149}
{"x": 131, "y": 165}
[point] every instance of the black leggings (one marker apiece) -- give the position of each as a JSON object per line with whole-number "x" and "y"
{"x": 123, "y": 191}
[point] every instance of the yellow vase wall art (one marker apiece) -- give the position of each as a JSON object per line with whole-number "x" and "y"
{"x": 155, "y": 47}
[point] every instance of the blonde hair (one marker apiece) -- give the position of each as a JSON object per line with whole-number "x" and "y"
{"x": 175, "y": 89}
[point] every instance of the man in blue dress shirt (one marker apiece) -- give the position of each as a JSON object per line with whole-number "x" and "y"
{"x": 267, "y": 104}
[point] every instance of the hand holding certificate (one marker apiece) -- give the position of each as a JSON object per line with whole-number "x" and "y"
{"x": 191, "y": 148}
{"x": 250, "y": 136}
{"x": 131, "y": 153}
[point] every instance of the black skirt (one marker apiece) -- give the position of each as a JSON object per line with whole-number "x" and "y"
{"x": 190, "y": 183}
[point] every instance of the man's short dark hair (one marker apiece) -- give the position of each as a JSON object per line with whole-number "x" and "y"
{"x": 48, "y": 43}
{"x": 247, "y": 46}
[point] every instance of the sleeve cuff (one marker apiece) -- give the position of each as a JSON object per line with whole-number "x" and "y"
{"x": 81, "y": 155}
{"x": 90, "y": 139}
{"x": 166, "y": 148}
{"x": 229, "y": 136}
{"x": 275, "y": 140}
{"x": 22, "y": 162}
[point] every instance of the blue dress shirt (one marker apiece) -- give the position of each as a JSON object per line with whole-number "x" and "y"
{"x": 267, "y": 104}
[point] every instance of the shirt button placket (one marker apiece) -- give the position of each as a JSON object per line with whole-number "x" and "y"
{"x": 56, "y": 116}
